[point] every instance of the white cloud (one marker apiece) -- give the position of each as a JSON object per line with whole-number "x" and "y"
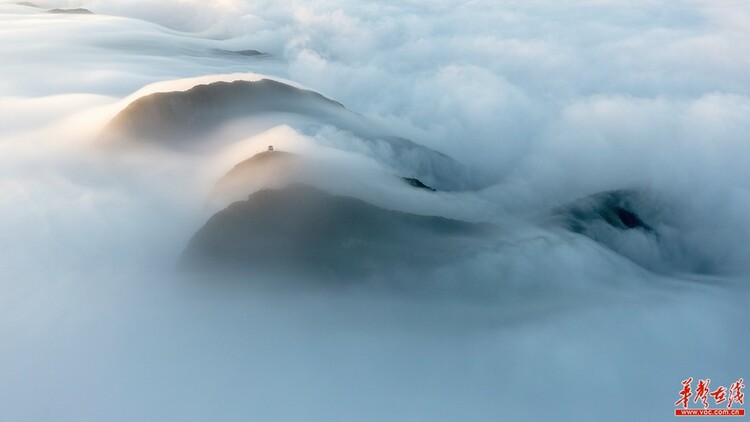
{"x": 554, "y": 100}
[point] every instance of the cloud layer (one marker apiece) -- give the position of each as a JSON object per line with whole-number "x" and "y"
{"x": 546, "y": 101}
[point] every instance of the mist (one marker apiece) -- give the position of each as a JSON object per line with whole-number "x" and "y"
{"x": 571, "y": 178}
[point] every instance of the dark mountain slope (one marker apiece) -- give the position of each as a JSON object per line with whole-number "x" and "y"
{"x": 305, "y": 231}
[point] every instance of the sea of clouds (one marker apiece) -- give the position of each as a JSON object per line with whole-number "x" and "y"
{"x": 548, "y": 101}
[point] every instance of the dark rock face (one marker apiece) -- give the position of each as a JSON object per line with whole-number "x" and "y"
{"x": 303, "y": 230}
{"x": 632, "y": 223}
{"x": 413, "y": 181}
{"x": 78, "y": 11}
{"x": 616, "y": 208}
{"x": 650, "y": 230}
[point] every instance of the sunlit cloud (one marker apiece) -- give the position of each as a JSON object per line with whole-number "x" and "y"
{"x": 532, "y": 110}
